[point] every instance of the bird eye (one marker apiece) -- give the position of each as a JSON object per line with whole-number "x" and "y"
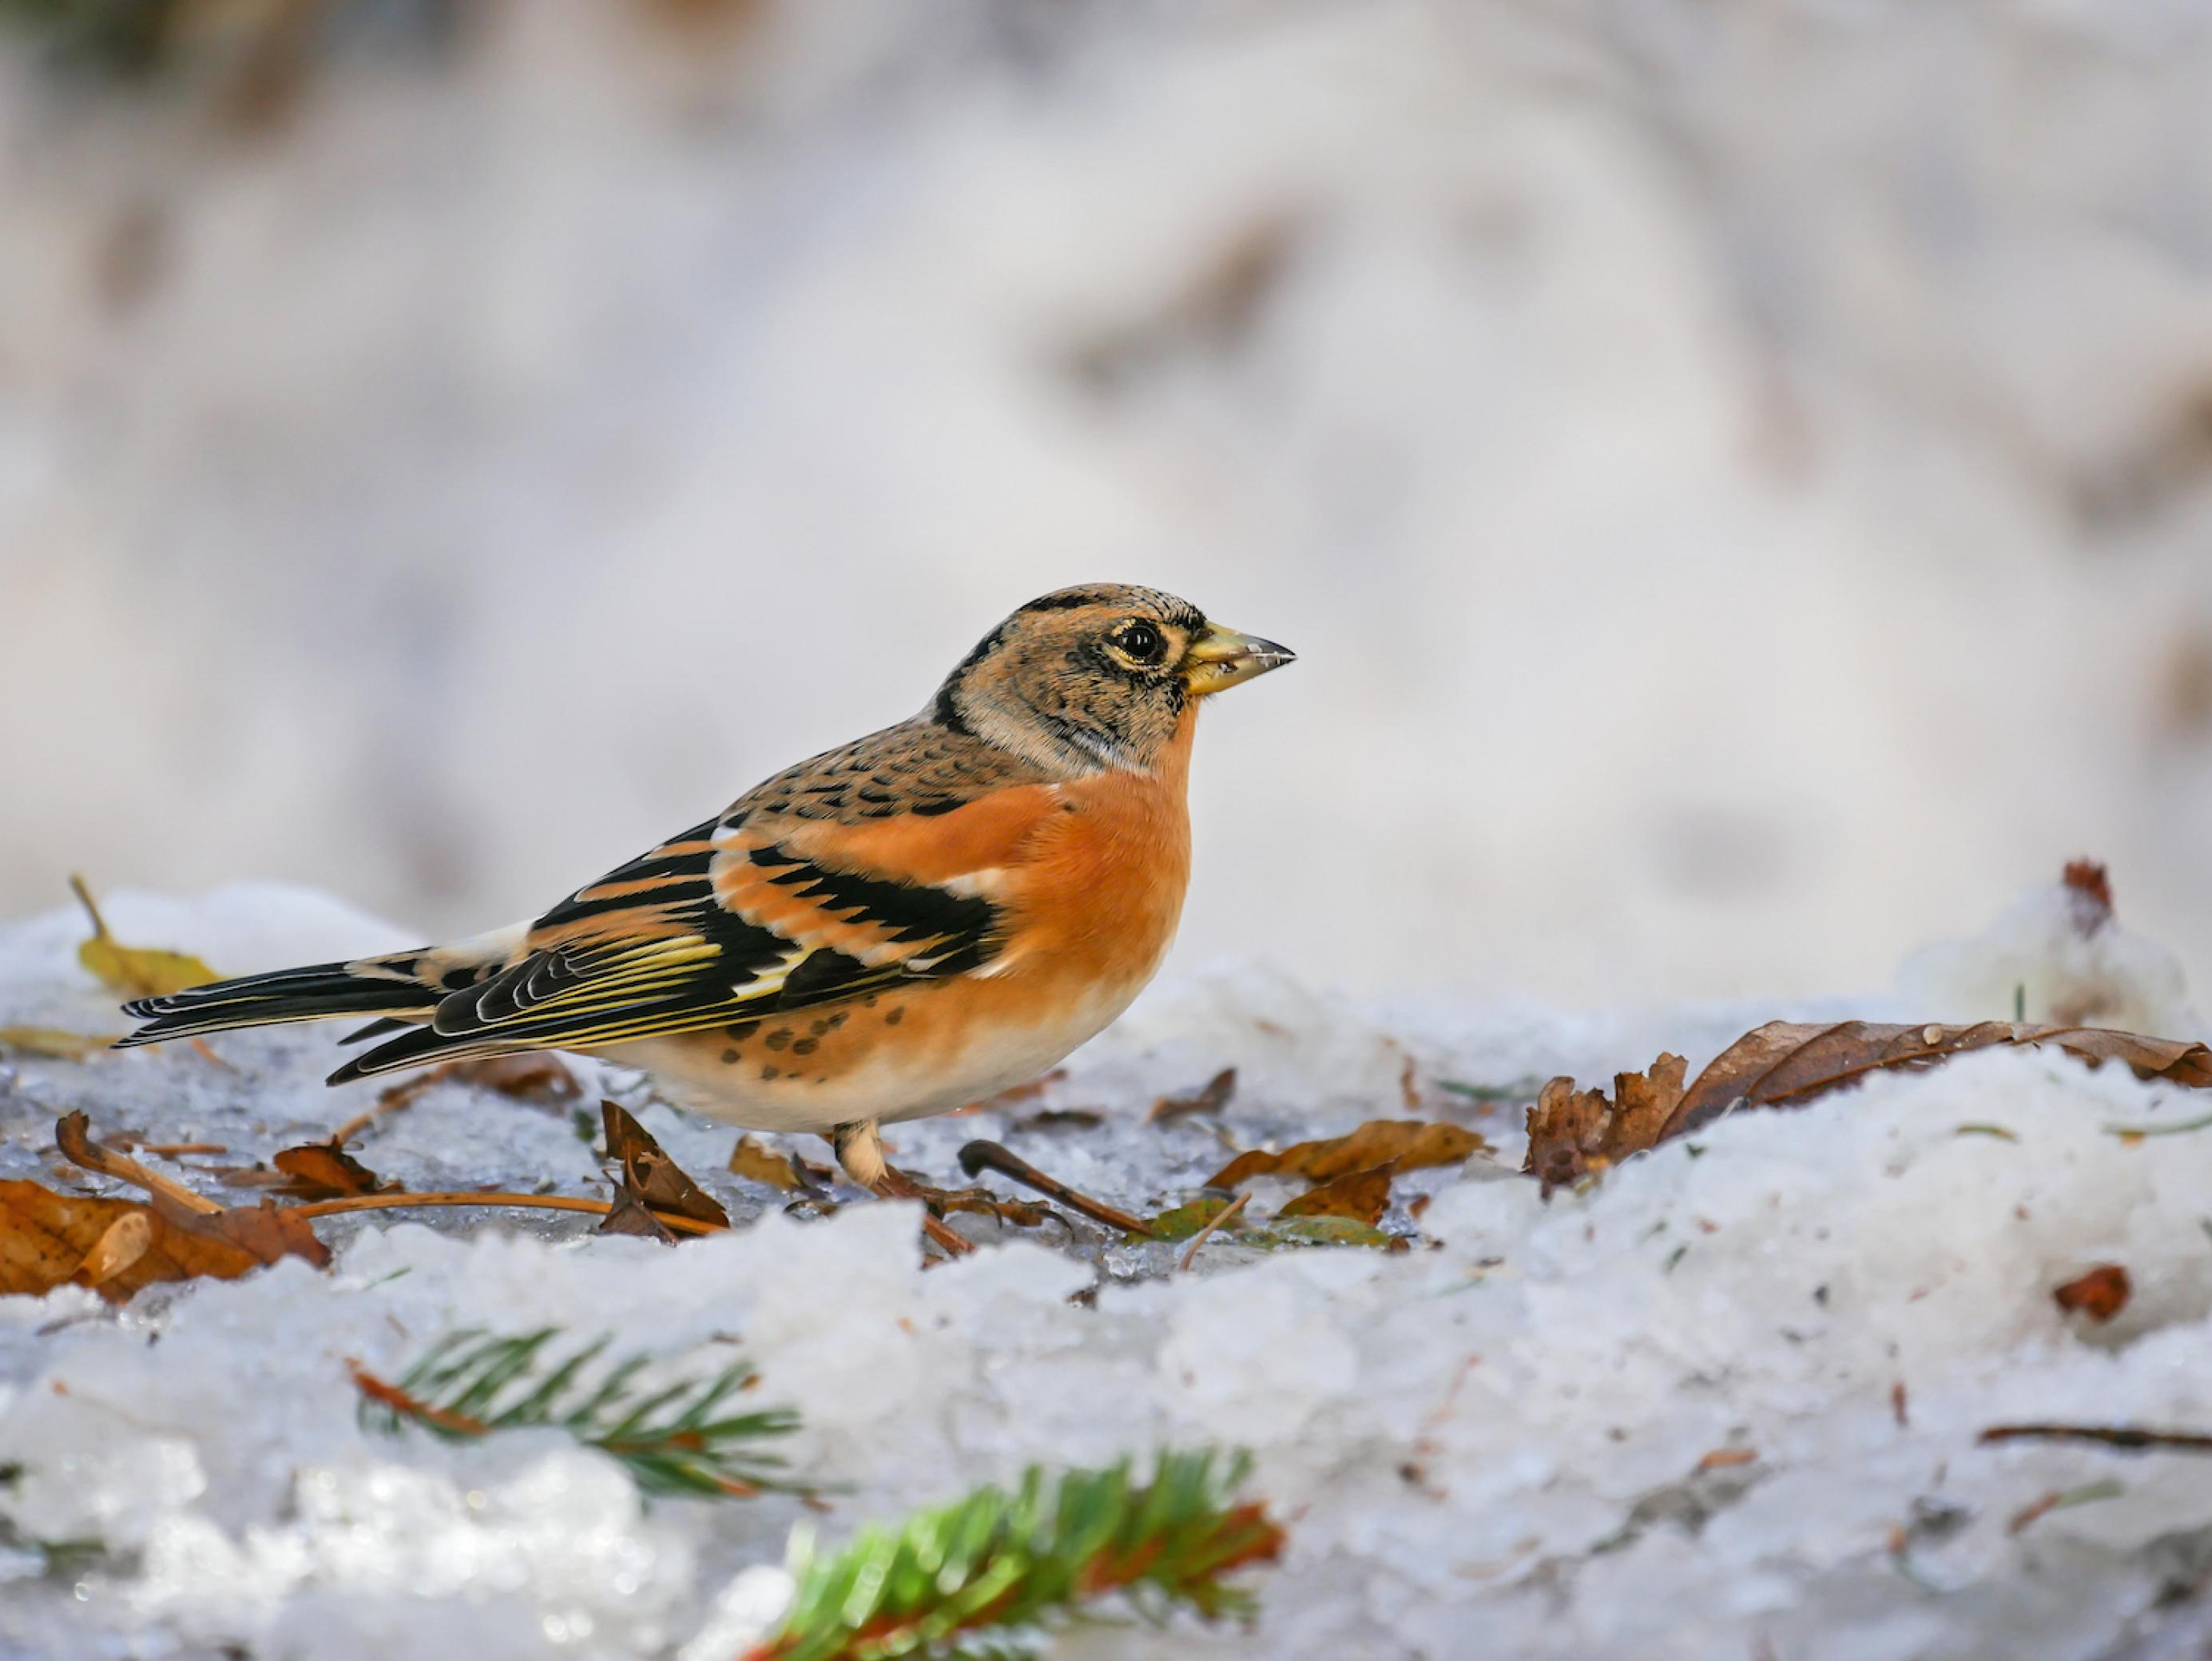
{"x": 1140, "y": 642}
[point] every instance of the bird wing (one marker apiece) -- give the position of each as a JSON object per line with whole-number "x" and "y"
{"x": 743, "y": 917}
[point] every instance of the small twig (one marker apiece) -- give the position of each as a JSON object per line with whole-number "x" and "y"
{"x": 73, "y": 1136}
{"x": 981, "y": 1156}
{"x": 2115, "y": 1436}
{"x": 680, "y": 1225}
{"x": 1224, "y": 1215}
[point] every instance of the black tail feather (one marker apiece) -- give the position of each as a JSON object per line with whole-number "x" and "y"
{"x": 288, "y": 995}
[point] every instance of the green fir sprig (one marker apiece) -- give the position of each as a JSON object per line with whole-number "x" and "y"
{"x": 676, "y": 1437}
{"x": 985, "y": 1577}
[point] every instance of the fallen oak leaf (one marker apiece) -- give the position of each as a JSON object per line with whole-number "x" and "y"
{"x": 263, "y": 1233}
{"x": 1573, "y": 1132}
{"x": 1361, "y": 1197}
{"x": 1409, "y": 1144}
{"x": 49, "y": 1239}
{"x": 1215, "y": 1094}
{"x": 1788, "y": 1064}
{"x": 651, "y": 1182}
{"x": 54, "y": 1043}
{"x": 325, "y": 1170}
{"x": 136, "y": 972}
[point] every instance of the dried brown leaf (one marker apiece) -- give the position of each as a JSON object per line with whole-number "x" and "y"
{"x": 650, "y": 1178}
{"x": 264, "y": 1232}
{"x": 1215, "y": 1094}
{"x": 1788, "y": 1064}
{"x": 1361, "y": 1196}
{"x": 325, "y": 1170}
{"x": 1406, "y": 1144}
{"x": 127, "y": 1239}
{"x": 1572, "y": 1132}
{"x": 118, "y": 1246}
{"x": 2099, "y": 1294}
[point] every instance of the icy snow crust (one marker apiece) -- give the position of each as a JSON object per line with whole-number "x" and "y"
{"x": 1496, "y": 1444}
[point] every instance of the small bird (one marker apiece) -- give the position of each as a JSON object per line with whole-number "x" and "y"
{"x": 912, "y": 922}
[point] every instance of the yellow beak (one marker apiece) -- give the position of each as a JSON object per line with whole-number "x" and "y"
{"x": 1220, "y": 658}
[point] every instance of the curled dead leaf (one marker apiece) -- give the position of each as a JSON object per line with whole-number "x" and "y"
{"x": 2099, "y": 1294}
{"x": 1215, "y": 1094}
{"x": 1572, "y": 1132}
{"x": 325, "y": 1170}
{"x": 118, "y": 1246}
{"x": 1788, "y": 1064}
{"x": 1403, "y": 1144}
{"x": 650, "y": 1181}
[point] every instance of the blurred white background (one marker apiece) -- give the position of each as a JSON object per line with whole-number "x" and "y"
{"x": 1738, "y": 475}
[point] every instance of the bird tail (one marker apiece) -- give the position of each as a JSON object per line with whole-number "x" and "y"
{"x": 396, "y": 987}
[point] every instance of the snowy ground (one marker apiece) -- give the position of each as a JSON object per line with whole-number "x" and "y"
{"x": 1496, "y": 1444}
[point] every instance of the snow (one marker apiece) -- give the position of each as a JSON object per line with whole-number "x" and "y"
{"x": 1508, "y": 1430}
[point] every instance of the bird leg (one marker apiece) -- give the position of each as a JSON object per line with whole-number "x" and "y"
{"x": 860, "y": 1151}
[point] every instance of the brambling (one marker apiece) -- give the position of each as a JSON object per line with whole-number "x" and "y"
{"x": 916, "y": 920}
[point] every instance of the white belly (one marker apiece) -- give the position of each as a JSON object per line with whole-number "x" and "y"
{"x": 887, "y": 1085}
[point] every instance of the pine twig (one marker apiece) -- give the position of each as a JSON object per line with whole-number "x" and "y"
{"x": 988, "y": 1574}
{"x": 676, "y": 1438}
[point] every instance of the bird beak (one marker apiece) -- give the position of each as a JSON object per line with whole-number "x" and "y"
{"x": 1220, "y": 658}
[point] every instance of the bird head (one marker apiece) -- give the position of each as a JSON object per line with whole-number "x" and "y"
{"x": 1099, "y": 676}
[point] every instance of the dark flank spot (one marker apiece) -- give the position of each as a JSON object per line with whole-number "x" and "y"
{"x": 869, "y": 1002}
{"x": 806, "y": 1047}
{"x": 817, "y": 1028}
{"x": 729, "y": 1058}
{"x": 738, "y": 1031}
{"x": 837, "y": 1019}
{"x": 768, "y": 1076}
{"x": 895, "y": 1016}
{"x": 779, "y": 1039}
